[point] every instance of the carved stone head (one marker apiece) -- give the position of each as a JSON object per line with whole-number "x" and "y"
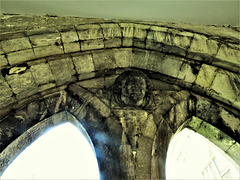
{"x": 132, "y": 88}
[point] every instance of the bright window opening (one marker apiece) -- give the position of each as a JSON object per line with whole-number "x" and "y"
{"x": 192, "y": 156}
{"x": 61, "y": 153}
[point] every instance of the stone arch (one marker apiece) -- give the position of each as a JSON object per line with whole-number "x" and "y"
{"x": 67, "y": 66}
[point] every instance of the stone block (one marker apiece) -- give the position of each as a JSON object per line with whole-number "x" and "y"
{"x": 186, "y": 73}
{"x": 111, "y": 31}
{"x": 37, "y": 61}
{"x": 140, "y": 31}
{"x": 71, "y": 47}
{"x": 234, "y": 152}
{"x": 127, "y": 42}
{"x": 63, "y": 70}
{"x": 42, "y": 73}
{"x": 140, "y": 59}
{"x": 154, "y": 45}
{"x": 92, "y": 83}
{"x": 206, "y": 76}
{"x": 104, "y": 60}
{"x": 83, "y": 63}
{"x": 229, "y": 55}
{"x": 48, "y": 50}
{"x": 1, "y": 49}
{"x": 226, "y": 86}
{"x": 139, "y": 43}
{"x": 5, "y": 90}
{"x": 123, "y": 57}
{"x": 89, "y": 31}
{"x": 84, "y": 76}
{"x": 116, "y": 42}
{"x": 171, "y": 66}
{"x": 127, "y": 30}
{"x": 201, "y": 44}
{"x": 21, "y": 82}
{"x": 216, "y": 136}
{"x": 20, "y": 56}
{"x": 156, "y": 36}
{"x": 69, "y": 36}
{"x": 45, "y": 39}
{"x": 150, "y": 128}
{"x": 158, "y": 29}
{"x": 16, "y": 44}
{"x": 3, "y": 61}
{"x": 45, "y": 87}
{"x": 100, "y": 107}
{"x": 41, "y": 30}
{"x": 92, "y": 44}
{"x": 155, "y": 61}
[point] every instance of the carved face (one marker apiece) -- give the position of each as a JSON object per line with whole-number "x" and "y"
{"x": 134, "y": 90}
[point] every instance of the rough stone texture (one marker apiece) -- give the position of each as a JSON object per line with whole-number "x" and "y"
{"x": 83, "y": 63}
{"x": 21, "y": 82}
{"x": 111, "y": 31}
{"x": 42, "y": 73}
{"x": 15, "y": 44}
{"x": 48, "y": 50}
{"x": 63, "y": 70}
{"x": 71, "y": 47}
{"x": 69, "y": 36}
{"x": 91, "y": 31}
{"x": 45, "y": 39}
{"x": 3, "y": 61}
{"x": 20, "y": 56}
{"x": 5, "y": 92}
{"x": 92, "y": 44}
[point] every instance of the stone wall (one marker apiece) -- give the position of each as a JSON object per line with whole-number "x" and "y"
{"x": 53, "y": 64}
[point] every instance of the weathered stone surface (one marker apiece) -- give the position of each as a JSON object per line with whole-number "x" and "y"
{"x": 111, "y": 31}
{"x": 186, "y": 73}
{"x": 104, "y": 60}
{"x": 216, "y": 136}
{"x": 116, "y": 42}
{"x": 21, "y": 82}
{"x": 83, "y": 63}
{"x": 37, "y": 61}
{"x": 140, "y": 59}
{"x": 150, "y": 128}
{"x": 100, "y": 107}
{"x": 16, "y": 44}
{"x": 1, "y": 49}
{"x": 41, "y": 30}
{"x": 154, "y": 45}
{"x": 20, "y": 56}
{"x": 45, "y": 87}
{"x": 71, "y": 47}
{"x": 92, "y": 83}
{"x": 3, "y": 61}
{"x": 45, "y": 39}
{"x": 92, "y": 44}
{"x": 234, "y": 152}
{"x": 171, "y": 66}
{"x": 127, "y": 30}
{"x": 42, "y": 73}
{"x": 123, "y": 57}
{"x": 84, "y": 76}
{"x": 201, "y": 44}
{"x": 206, "y": 75}
{"x": 156, "y": 36}
{"x": 69, "y": 36}
{"x": 63, "y": 70}
{"x": 89, "y": 31}
{"x": 140, "y": 31}
{"x": 229, "y": 55}
{"x": 5, "y": 90}
{"x": 48, "y": 50}
{"x": 226, "y": 86}
{"x": 155, "y": 61}
{"x": 127, "y": 42}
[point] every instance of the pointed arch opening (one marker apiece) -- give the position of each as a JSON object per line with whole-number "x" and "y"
{"x": 192, "y": 156}
{"x": 63, "y": 151}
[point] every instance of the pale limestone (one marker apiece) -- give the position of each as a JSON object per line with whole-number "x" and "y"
{"x": 201, "y": 44}
{"x": 110, "y": 43}
{"x": 16, "y": 44}
{"x": 42, "y": 73}
{"x": 104, "y": 60}
{"x": 186, "y": 73}
{"x": 20, "y": 56}
{"x": 69, "y": 36}
{"x": 63, "y": 70}
{"x": 21, "y": 82}
{"x": 123, "y": 57}
{"x": 206, "y": 75}
{"x": 71, "y": 47}
{"x": 127, "y": 30}
{"x": 92, "y": 44}
{"x": 111, "y": 31}
{"x": 45, "y": 39}
{"x": 229, "y": 55}
{"x": 3, "y": 61}
{"x": 5, "y": 90}
{"x": 140, "y": 31}
{"x": 48, "y": 51}
{"x": 16, "y": 70}
{"x": 91, "y": 31}
{"x": 83, "y": 63}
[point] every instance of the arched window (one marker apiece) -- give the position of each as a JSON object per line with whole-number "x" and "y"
{"x": 61, "y": 153}
{"x": 192, "y": 156}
